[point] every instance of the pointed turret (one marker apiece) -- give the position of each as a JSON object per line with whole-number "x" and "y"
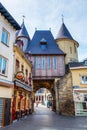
{"x": 22, "y": 32}
{"x": 22, "y": 35}
{"x": 67, "y": 44}
{"x": 64, "y": 33}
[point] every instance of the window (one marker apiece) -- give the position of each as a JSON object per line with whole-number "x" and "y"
{"x": 43, "y": 47}
{"x": 84, "y": 105}
{"x": 74, "y": 48}
{"x": 43, "y": 63}
{"x": 84, "y": 79}
{"x": 17, "y": 66}
{"x": 85, "y": 97}
{"x": 5, "y": 37}
{"x": 54, "y": 62}
{"x": 43, "y": 43}
{"x": 37, "y": 63}
{"x": 26, "y": 78}
{"x": 3, "y": 65}
{"x": 22, "y": 68}
{"x": 48, "y": 61}
{"x": 85, "y": 62}
{"x": 70, "y": 49}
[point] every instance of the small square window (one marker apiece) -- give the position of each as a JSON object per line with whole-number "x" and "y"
{"x": 84, "y": 79}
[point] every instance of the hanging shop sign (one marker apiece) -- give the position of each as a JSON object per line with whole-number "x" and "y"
{"x": 20, "y": 75}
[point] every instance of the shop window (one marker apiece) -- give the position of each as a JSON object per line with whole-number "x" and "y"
{"x": 3, "y": 65}
{"x": 5, "y": 37}
{"x": 84, "y": 79}
{"x": 84, "y": 105}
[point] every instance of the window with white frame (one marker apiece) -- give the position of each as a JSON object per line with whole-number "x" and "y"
{"x": 54, "y": 62}
{"x": 43, "y": 62}
{"x": 5, "y": 37}
{"x": 48, "y": 61}
{"x": 85, "y": 62}
{"x": 84, "y": 79}
{"x": 3, "y": 65}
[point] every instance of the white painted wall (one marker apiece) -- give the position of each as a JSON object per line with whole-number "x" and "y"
{"x": 5, "y": 51}
{"x": 5, "y": 92}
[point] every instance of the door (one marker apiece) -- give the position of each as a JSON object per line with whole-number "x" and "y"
{"x": 1, "y": 110}
{"x": 7, "y": 113}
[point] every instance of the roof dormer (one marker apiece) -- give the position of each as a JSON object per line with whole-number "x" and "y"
{"x": 43, "y": 43}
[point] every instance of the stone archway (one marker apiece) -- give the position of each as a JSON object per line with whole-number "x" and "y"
{"x": 48, "y": 84}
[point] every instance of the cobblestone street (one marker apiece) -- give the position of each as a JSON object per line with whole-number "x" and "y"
{"x": 45, "y": 119}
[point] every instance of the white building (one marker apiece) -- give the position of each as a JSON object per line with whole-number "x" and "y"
{"x": 8, "y": 27}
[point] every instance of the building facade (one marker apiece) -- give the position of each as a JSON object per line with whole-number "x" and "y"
{"x": 23, "y": 85}
{"x": 8, "y": 27}
{"x": 79, "y": 80}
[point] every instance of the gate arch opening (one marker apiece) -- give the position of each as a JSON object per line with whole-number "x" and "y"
{"x": 43, "y": 98}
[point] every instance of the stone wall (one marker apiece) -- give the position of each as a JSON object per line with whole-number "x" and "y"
{"x": 65, "y": 104}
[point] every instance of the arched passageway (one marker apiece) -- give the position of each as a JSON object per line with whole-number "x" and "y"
{"x": 42, "y": 97}
{"x": 47, "y": 84}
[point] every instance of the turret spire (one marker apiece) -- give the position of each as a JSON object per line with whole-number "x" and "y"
{"x": 62, "y": 18}
{"x": 23, "y": 18}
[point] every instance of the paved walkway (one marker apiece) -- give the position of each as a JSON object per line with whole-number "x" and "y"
{"x": 45, "y": 119}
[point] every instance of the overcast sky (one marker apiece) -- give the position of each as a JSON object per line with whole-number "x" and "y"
{"x": 45, "y": 14}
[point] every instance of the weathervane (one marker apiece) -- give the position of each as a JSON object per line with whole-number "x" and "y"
{"x": 62, "y": 18}
{"x": 23, "y": 18}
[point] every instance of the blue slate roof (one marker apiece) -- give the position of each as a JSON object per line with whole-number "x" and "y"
{"x": 22, "y": 32}
{"x": 51, "y": 45}
{"x": 78, "y": 64}
{"x": 64, "y": 33}
{"x": 8, "y": 16}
